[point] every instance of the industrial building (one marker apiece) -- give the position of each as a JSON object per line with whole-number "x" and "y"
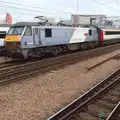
{"x": 84, "y": 20}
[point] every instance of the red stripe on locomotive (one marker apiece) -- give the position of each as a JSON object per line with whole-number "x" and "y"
{"x": 85, "y": 34}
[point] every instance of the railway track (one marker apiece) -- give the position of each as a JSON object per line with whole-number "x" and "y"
{"x": 98, "y": 52}
{"x": 102, "y": 102}
{"x": 10, "y": 63}
{"x": 31, "y": 69}
{"x": 115, "y": 114}
{"x": 117, "y": 57}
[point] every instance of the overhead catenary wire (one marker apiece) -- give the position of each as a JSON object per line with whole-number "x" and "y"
{"x": 105, "y": 5}
{"x": 35, "y": 8}
{"x": 33, "y": 5}
{"x": 40, "y": 8}
{"x": 35, "y": 11}
{"x": 50, "y": 10}
{"x": 117, "y": 1}
{"x": 67, "y": 2}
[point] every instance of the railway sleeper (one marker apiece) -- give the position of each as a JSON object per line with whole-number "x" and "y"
{"x": 118, "y": 116}
{"x": 117, "y": 89}
{"x": 111, "y": 99}
{"x": 117, "y": 76}
{"x": 76, "y": 117}
{"x": 105, "y": 104}
{"x": 114, "y": 93}
{"x": 95, "y": 111}
{"x": 86, "y": 116}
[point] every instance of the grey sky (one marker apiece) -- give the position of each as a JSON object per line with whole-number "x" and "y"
{"x": 26, "y": 9}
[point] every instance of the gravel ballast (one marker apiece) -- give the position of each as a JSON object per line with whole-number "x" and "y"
{"x": 40, "y": 97}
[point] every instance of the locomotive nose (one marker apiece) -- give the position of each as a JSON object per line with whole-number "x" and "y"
{"x": 12, "y": 38}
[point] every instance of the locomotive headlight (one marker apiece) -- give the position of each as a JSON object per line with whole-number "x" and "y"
{"x": 25, "y": 43}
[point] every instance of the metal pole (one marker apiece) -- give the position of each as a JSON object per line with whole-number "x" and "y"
{"x": 77, "y": 21}
{"x": 91, "y": 19}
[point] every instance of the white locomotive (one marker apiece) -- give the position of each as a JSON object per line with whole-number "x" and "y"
{"x": 26, "y": 39}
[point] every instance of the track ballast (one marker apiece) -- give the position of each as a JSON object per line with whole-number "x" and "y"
{"x": 101, "y": 102}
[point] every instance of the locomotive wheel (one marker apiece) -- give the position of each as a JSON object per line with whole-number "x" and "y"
{"x": 55, "y": 51}
{"x": 36, "y": 53}
{"x": 92, "y": 45}
{"x": 84, "y": 46}
{"x": 39, "y": 53}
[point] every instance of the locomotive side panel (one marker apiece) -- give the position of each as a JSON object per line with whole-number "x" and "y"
{"x": 60, "y": 35}
{"x": 38, "y": 40}
{"x": 50, "y": 36}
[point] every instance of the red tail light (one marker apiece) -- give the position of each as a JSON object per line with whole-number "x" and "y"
{"x": 101, "y": 35}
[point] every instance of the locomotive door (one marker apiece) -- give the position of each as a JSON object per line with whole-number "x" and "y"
{"x": 36, "y": 36}
{"x": 95, "y": 35}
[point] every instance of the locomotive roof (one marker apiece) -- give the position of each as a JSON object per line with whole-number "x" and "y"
{"x": 25, "y": 24}
{"x": 37, "y": 24}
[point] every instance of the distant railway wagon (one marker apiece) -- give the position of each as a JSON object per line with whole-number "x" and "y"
{"x": 111, "y": 34}
{"x": 25, "y": 40}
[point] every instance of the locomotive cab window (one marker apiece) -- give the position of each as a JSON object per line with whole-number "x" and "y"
{"x": 2, "y": 34}
{"x": 16, "y": 30}
{"x": 28, "y": 32}
{"x": 90, "y": 32}
{"x": 48, "y": 32}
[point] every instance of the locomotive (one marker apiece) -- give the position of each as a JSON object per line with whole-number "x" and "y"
{"x": 32, "y": 40}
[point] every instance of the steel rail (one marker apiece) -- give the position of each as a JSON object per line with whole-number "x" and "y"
{"x": 87, "y": 97}
{"x": 112, "y": 114}
{"x": 14, "y": 73}
{"x": 95, "y": 52}
{"x": 101, "y": 62}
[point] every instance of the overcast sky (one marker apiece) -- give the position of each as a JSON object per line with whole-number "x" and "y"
{"x": 23, "y": 10}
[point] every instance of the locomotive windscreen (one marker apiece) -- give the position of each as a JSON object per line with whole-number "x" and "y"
{"x": 15, "y": 31}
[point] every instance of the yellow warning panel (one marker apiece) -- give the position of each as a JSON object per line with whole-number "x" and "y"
{"x": 12, "y": 38}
